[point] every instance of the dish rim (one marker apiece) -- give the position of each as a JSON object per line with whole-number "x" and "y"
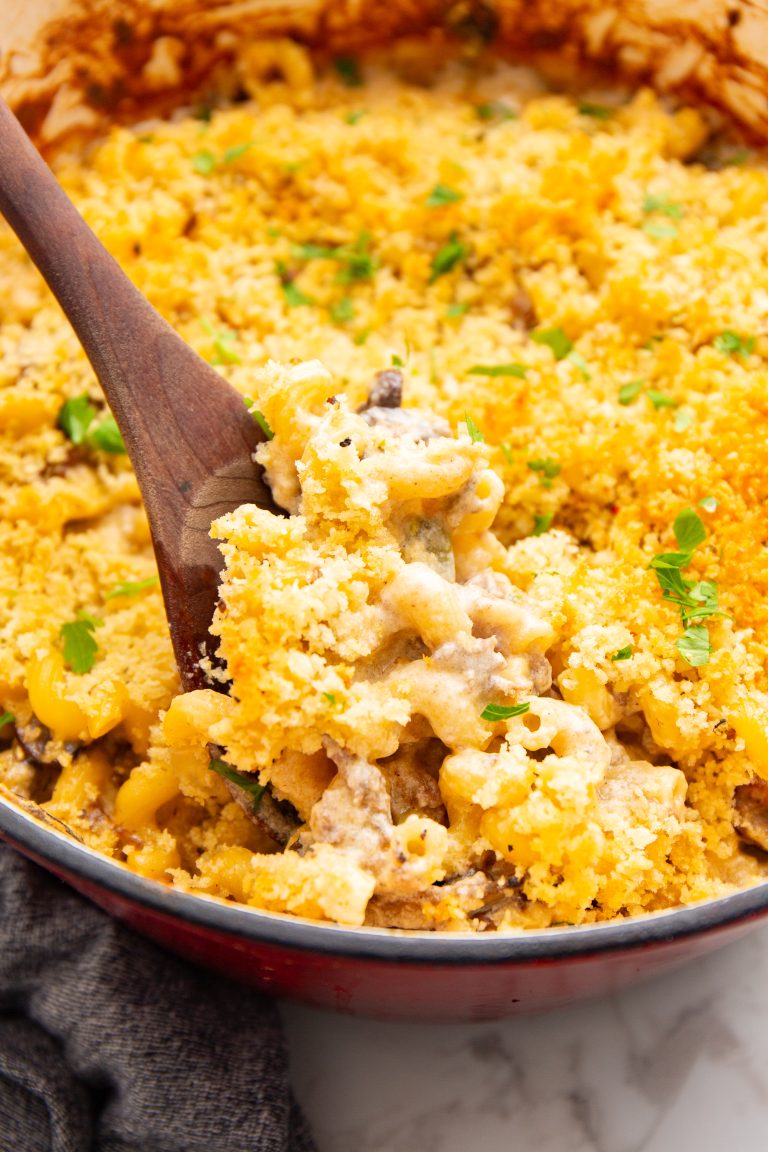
{"x": 279, "y": 930}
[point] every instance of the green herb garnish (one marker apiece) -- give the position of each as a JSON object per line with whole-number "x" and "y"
{"x": 204, "y": 162}
{"x": 222, "y": 340}
{"x": 708, "y": 503}
{"x": 541, "y": 524}
{"x": 503, "y": 711}
{"x": 507, "y": 453}
{"x": 629, "y": 392}
{"x": 664, "y": 206}
{"x": 695, "y": 646}
{"x": 330, "y": 697}
{"x": 7, "y": 718}
{"x": 475, "y": 435}
{"x": 555, "y": 339}
{"x": 132, "y": 587}
{"x": 231, "y": 154}
{"x": 623, "y": 653}
{"x": 247, "y": 783}
{"x": 689, "y": 530}
{"x": 697, "y": 600}
{"x": 293, "y": 295}
{"x": 259, "y": 417}
{"x": 354, "y": 117}
{"x": 661, "y": 399}
{"x": 732, "y": 344}
{"x": 447, "y": 257}
{"x": 495, "y": 110}
{"x": 356, "y": 260}
{"x": 518, "y": 370}
{"x": 441, "y": 194}
{"x": 342, "y": 311}
{"x": 596, "y": 111}
{"x": 106, "y": 436}
{"x": 683, "y": 419}
{"x": 547, "y": 470}
{"x": 660, "y": 231}
{"x": 453, "y": 311}
{"x": 76, "y": 419}
{"x": 80, "y": 648}
{"x": 348, "y": 70}
{"x": 577, "y": 359}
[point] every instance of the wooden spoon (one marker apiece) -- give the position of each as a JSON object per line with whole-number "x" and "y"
{"x": 188, "y": 433}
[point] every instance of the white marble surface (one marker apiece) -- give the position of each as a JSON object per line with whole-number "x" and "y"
{"x": 677, "y": 1065}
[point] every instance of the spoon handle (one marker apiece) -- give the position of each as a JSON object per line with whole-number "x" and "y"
{"x": 187, "y": 431}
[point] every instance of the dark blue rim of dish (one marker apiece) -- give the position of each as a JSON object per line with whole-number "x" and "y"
{"x": 55, "y": 848}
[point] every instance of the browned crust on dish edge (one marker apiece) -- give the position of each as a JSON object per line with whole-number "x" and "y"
{"x": 72, "y": 67}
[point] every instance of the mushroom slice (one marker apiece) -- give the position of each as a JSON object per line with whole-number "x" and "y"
{"x": 750, "y": 813}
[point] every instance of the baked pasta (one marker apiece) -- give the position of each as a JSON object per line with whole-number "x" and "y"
{"x": 501, "y": 664}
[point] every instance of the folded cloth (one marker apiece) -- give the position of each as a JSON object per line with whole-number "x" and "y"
{"x": 109, "y": 1044}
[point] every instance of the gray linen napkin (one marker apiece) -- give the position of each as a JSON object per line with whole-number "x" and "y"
{"x": 109, "y": 1044}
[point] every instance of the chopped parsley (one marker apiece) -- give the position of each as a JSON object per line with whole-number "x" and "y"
{"x": 342, "y": 311}
{"x": 77, "y": 420}
{"x": 577, "y": 359}
{"x": 496, "y": 110}
{"x": 547, "y": 470}
{"x": 596, "y": 111}
{"x": 689, "y": 530}
{"x": 132, "y": 587}
{"x": 453, "y": 311}
{"x": 629, "y": 392}
{"x": 330, "y": 697}
{"x": 204, "y": 162}
{"x": 541, "y": 524}
{"x": 475, "y": 435}
{"x": 79, "y": 646}
{"x": 659, "y": 231}
{"x": 76, "y": 417}
{"x": 732, "y": 344}
{"x": 663, "y": 206}
{"x": 441, "y": 194}
{"x": 518, "y": 370}
{"x": 247, "y": 783}
{"x": 259, "y": 417}
{"x": 555, "y": 339}
{"x": 661, "y": 399}
{"x": 106, "y": 436}
{"x": 6, "y": 718}
{"x": 294, "y": 297}
{"x": 235, "y": 152}
{"x": 354, "y": 117}
{"x": 684, "y": 417}
{"x": 447, "y": 257}
{"x": 503, "y": 711}
{"x": 507, "y": 453}
{"x": 222, "y": 339}
{"x": 695, "y": 646}
{"x": 356, "y": 262}
{"x": 623, "y": 653}
{"x": 348, "y": 70}
{"x": 697, "y": 600}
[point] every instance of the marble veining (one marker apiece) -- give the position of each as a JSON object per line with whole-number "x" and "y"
{"x": 679, "y": 1063}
